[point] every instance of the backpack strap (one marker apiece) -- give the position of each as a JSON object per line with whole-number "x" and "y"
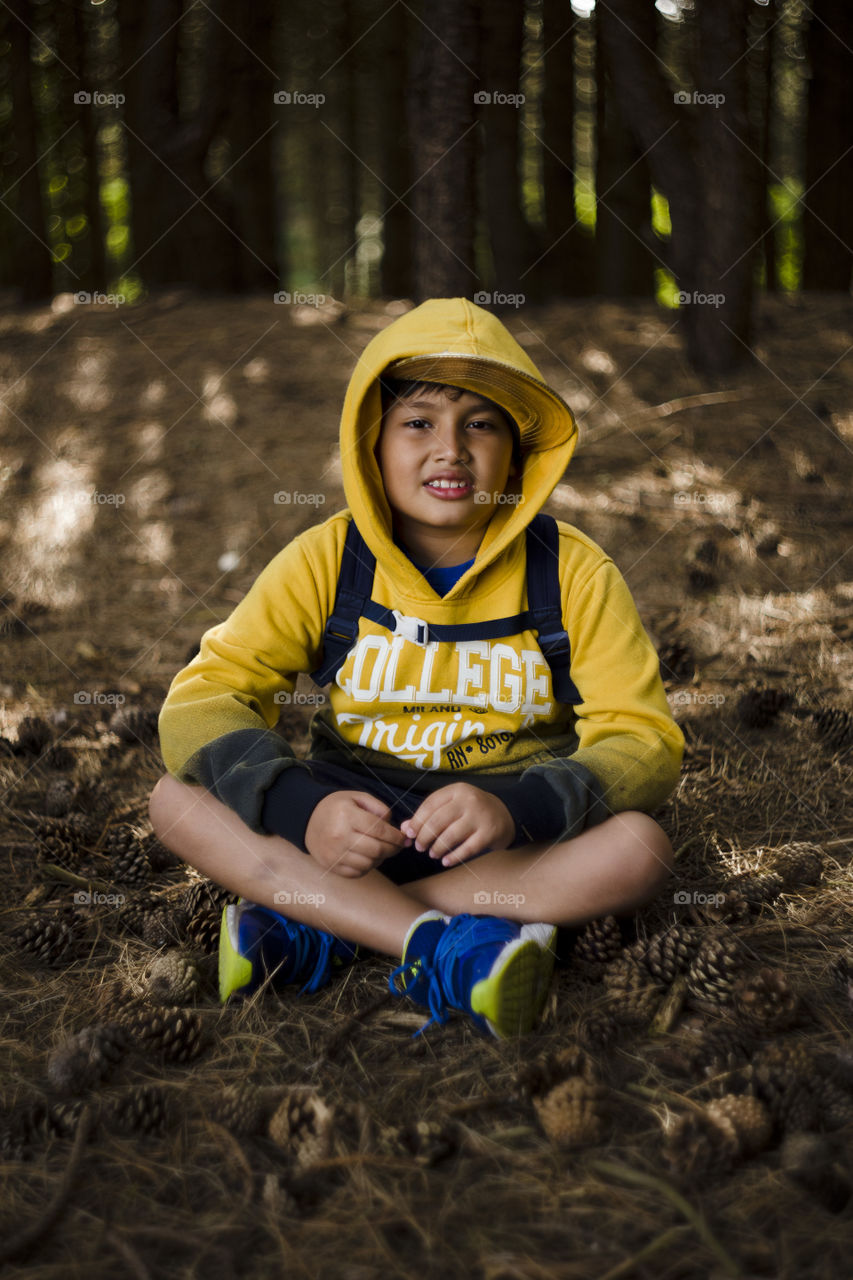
{"x": 355, "y": 583}
{"x": 545, "y": 603}
{"x": 544, "y": 614}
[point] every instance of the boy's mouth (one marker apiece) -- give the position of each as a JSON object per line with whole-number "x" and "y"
{"x": 449, "y": 487}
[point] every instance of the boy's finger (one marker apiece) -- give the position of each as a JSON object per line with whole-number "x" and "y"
{"x": 373, "y": 804}
{"x": 451, "y": 838}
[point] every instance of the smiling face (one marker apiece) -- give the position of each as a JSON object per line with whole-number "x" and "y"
{"x": 443, "y": 463}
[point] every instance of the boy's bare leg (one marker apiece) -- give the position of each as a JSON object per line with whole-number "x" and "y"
{"x": 209, "y": 836}
{"x": 609, "y": 869}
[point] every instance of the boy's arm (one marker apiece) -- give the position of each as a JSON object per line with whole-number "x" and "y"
{"x": 216, "y": 725}
{"x": 629, "y": 747}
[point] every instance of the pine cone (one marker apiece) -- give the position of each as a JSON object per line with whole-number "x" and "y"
{"x": 756, "y": 887}
{"x": 669, "y": 953}
{"x": 550, "y": 1069}
{"x": 57, "y": 850}
{"x": 244, "y": 1108}
{"x": 574, "y": 1113}
{"x": 159, "y": 857}
{"x": 766, "y": 1001}
{"x": 428, "y": 1141}
{"x": 173, "y": 979}
{"x": 719, "y": 1049}
{"x": 203, "y": 930}
{"x": 598, "y": 943}
{"x": 34, "y": 734}
{"x": 834, "y": 726}
{"x": 134, "y": 725}
{"x": 633, "y": 996}
{"x": 302, "y": 1125}
{"x": 58, "y": 797}
{"x": 695, "y": 1146}
{"x": 139, "y": 1109}
{"x": 598, "y": 1030}
{"x": 810, "y": 1161}
{"x": 84, "y": 828}
{"x": 37, "y": 1123}
{"x": 161, "y": 928}
{"x": 51, "y": 939}
{"x": 206, "y": 895}
{"x": 782, "y": 1076}
{"x": 175, "y": 1034}
{"x": 745, "y": 1121}
{"x": 128, "y": 859}
{"x": 715, "y": 969}
{"x": 93, "y": 798}
{"x": 726, "y": 908}
{"x": 797, "y": 864}
{"x": 87, "y": 1058}
{"x": 834, "y": 1103}
{"x": 759, "y": 707}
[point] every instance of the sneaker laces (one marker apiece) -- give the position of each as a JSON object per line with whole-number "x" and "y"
{"x": 444, "y": 968}
{"x": 309, "y": 945}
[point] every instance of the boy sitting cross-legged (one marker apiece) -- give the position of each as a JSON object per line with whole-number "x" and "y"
{"x": 495, "y": 733}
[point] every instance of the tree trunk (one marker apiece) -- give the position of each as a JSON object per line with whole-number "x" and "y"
{"x": 701, "y": 154}
{"x": 623, "y": 225}
{"x": 719, "y": 328}
{"x": 442, "y": 119}
{"x": 395, "y": 170}
{"x": 180, "y": 225}
{"x": 249, "y": 130}
{"x": 23, "y": 187}
{"x": 569, "y": 255}
{"x": 512, "y": 243}
{"x": 827, "y": 209}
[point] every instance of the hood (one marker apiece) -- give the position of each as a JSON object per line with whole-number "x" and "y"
{"x": 453, "y": 341}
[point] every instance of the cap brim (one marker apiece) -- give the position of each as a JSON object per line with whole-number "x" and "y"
{"x": 543, "y": 417}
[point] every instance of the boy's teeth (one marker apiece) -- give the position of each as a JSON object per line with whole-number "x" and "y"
{"x": 448, "y": 484}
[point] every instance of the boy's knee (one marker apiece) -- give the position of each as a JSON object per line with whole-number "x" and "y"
{"x": 651, "y": 850}
{"x": 161, "y": 802}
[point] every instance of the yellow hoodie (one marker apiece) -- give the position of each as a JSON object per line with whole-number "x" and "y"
{"x": 444, "y": 711}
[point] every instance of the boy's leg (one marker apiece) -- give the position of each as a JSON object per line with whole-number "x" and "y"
{"x": 209, "y": 836}
{"x": 608, "y": 869}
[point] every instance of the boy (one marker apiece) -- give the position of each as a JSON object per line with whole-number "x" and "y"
{"x": 496, "y": 729}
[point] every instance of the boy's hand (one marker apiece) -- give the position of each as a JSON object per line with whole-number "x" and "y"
{"x": 458, "y": 821}
{"x": 349, "y": 833}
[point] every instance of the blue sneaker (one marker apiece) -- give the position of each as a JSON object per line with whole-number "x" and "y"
{"x": 412, "y": 977}
{"x": 497, "y": 971}
{"x": 256, "y": 942}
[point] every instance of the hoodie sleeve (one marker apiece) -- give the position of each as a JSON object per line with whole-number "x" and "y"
{"x": 629, "y": 747}
{"x": 216, "y": 725}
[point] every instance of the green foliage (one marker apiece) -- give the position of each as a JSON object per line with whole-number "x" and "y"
{"x": 785, "y": 213}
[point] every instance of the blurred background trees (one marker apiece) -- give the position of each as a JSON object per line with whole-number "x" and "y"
{"x": 686, "y": 150}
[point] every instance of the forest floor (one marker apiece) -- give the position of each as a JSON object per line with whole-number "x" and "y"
{"x": 141, "y": 452}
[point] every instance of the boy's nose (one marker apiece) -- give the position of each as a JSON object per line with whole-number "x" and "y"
{"x": 449, "y": 443}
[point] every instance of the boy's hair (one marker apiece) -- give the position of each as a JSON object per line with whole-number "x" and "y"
{"x": 394, "y": 389}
